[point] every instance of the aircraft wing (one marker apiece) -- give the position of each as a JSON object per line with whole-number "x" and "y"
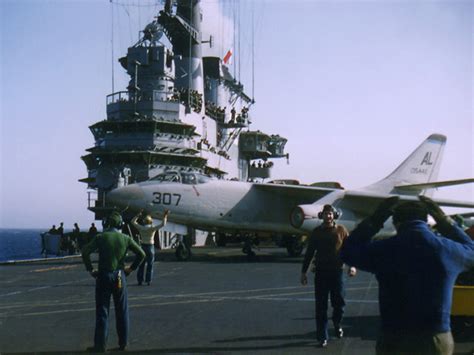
{"x": 302, "y": 192}
{"x": 454, "y": 203}
{"x": 365, "y": 202}
{"x": 433, "y": 184}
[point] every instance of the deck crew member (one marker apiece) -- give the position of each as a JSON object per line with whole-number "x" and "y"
{"x": 147, "y": 232}
{"x": 60, "y": 230}
{"x": 110, "y": 278}
{"x": 416, "y": 270}
{"x": 324, "y": 246}
{"x": 92, "y": 232}
{"x": 78, "y": 237}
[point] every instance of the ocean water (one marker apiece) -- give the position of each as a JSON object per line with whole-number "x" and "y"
{"x": 20, "y": 244}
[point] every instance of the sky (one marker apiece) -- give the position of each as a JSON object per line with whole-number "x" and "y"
{"x": 355, "y": 86}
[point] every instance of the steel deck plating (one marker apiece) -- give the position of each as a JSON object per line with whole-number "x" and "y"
{"x": 217, "y": 303}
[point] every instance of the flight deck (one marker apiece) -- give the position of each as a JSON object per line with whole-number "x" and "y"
{"x": 219, "y": 302}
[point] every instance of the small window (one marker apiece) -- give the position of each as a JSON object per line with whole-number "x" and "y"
{"x": 189, "y": 178}
{"x": 171, "y": 176}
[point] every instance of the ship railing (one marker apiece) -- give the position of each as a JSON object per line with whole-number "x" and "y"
{"x": 155, "y": 95}
{"x": 121, "y": 96}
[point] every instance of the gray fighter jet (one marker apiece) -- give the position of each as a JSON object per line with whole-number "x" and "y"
{"x": 208, "y": 204}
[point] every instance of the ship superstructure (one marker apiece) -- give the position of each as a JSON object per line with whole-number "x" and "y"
{"x": 180, "y": 111}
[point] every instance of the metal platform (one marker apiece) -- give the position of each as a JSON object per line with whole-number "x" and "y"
{"x": 217, "y": 303}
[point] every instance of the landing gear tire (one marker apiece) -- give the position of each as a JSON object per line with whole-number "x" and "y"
{"x": 294, "y": 247}
{"x": 247, "y": 250}
{"x": 182, "y": 253}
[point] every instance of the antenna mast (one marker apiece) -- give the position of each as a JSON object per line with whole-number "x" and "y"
{"x": 238, "y": 39}
{"x": 253, "y": 53}
{"x": 112, "y": 42}
{"x": 233, "y": 41}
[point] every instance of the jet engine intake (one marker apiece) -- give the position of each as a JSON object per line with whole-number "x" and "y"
{"x": 305, "y": 216}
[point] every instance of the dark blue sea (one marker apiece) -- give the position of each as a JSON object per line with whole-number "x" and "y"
{"x": 20, "y": 244}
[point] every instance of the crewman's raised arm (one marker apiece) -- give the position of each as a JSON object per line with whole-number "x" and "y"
{"x": 355, "y": 250}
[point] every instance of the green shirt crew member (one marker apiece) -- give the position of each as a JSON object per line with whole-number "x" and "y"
{"x": 112, "y": 247}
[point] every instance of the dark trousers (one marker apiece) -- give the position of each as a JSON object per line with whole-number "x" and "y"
{"x": 328, "y": 283}
{"x": 106, "y": 286}
{"x": 149, "y": 250}
{"x": 415, "y": 343}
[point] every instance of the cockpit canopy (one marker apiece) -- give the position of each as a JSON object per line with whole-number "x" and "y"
{"x": 182, "y": 178}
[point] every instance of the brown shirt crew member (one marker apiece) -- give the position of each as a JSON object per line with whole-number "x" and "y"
{"x": 324, "y": 246}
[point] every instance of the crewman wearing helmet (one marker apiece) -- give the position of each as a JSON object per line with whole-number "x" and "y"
{"x": 147, "y": 232}
{"x": 112, "y": 247}
{"x": 323, "y": 248}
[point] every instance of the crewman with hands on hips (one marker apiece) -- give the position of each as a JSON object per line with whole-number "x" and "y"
{"x": 112, "y": 247}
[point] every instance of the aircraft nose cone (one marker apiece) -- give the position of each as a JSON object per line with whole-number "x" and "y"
{"x": 123, "y": 196}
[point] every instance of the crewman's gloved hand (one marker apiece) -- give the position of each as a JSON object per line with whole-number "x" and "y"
{"x": 303, "y": 279}
{"x": 433, "y": 209}
{"x": 443, "y": 222}
{"x": 383, "y": 211}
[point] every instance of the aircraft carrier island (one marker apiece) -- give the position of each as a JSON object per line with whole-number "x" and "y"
{"x": 181, "y": 111}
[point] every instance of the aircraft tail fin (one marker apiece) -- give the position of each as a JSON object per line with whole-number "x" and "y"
{"x": 420, "y": 168}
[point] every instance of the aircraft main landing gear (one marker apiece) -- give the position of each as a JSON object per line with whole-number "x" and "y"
{"x": 247, "y": 249}
{"x": 221, "y": 239}
{"x": 294, "y": 246}
{"x": 183, "y": 251}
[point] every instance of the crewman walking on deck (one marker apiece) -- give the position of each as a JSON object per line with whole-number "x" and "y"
{"x": 323, "y": 248}
{"x": 112, "y": 247}
{"x": 416, "y": 270}
{"x": 147, "y": 232}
